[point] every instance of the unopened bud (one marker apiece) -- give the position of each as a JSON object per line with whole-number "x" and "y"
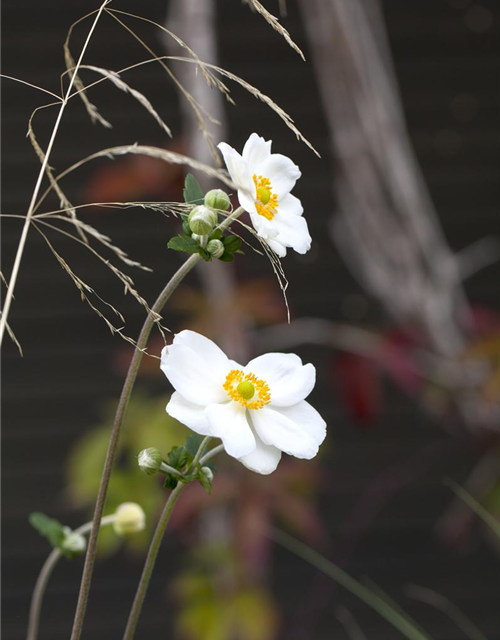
{"x": 202, "y": 220}
{"x": 215, "y": 248}
{"x": 150, "y": 460}
{"x": 73, "y": 543}
{"x": 208, "y": 473}
{"x": 129, "y": 518}
{"x": 217, "y": 199}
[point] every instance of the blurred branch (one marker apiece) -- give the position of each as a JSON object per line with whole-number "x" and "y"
{"x": 387, "y": 228}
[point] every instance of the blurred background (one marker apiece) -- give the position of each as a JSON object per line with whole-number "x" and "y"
{"x": 396, "y": 304}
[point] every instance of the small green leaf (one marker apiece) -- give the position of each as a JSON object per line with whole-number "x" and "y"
{"x": 227, "y": 256}
{"x": 170, "y": 482}
{"x": 215, "y": 235}
{"x": 178, "y": 457}
{"x": 186, "y": 228}
{"x": 183, "y": 243}
{"x": 231, "y": 243}
{"x": 204, "y": 254}
{"x": 192, "y": 444}
{"x": 51, "y": 529}
{"x": 193, "y": 193}
{"x": 204, "y": 481}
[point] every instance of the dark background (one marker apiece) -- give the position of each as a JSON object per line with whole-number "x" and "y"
{"x": 54, "y": 393}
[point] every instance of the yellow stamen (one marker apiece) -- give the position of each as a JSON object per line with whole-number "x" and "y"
{"x": 243, "y": 387}
{"x": 267, "y": 201}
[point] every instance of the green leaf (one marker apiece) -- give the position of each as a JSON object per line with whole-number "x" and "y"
{"x": 215, "y": 235}
{"x": 204, "y": 481}
{"x": 204, "y": 254}
{"x": 193, "y": 193}
{"x": 178, "y": 457}
{"x": 186, "y": 228}
{"x": 231, "y": 243}
{"x": 192, "y": 444}
{"x": 170, "y": 482}
{"x": 183, "y": 243}
{"x": 227, "y": 256}
{"x": 51, "y": 529}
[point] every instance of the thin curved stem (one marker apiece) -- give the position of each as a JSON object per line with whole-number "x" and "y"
{"x": 201, "y": 450}
{"x": 44, "y": 577}
{"x": 211, "y": 454}
{"x": 115, "y": 433}
{"x": 150, "y": 562}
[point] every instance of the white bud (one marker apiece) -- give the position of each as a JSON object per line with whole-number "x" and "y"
{"x": 129, "y": 518}
{"x": 215, "y": 248}
{"x": 208, "y": 473}
{"x": 202, "y": 220}
{"x": 217, "y": 199}
{"x": 150, "y": 460}
{"x": 74, "y": 543}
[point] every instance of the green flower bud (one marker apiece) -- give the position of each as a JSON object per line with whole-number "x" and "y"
{"x": 217, "y": 199}
{"x": 208, "y": 473}
{"x": 150, "y": 460}
{"x": 73, "y": 543}
{"x": 215, "y": 248}
{"x": 129, "y": 518}
{"x": 202, "y": 220}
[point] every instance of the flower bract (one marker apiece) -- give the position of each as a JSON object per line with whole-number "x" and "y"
{"x": 265, "y": 181}
{"x": 258, "y": 410}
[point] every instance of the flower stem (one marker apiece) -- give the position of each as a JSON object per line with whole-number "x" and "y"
{"x": 44, "y": 577}
{"x": 201, "y": 450}
{"x": 213, "y": 452}
{"x": 150, "y": 562}
{"x": 115, "y": 432}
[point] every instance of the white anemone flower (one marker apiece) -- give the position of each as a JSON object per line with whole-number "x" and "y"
{"x": 264, "y": 182}
{"x": 258, "y": 411}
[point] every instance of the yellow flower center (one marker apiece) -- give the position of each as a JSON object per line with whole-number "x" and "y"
{"x": 267, "y": 201}
{"x": 247, "y": 389}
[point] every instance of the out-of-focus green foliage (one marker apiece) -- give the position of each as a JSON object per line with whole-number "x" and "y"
{"x": 217, "y": 602}
{"x": 146, "y": 424}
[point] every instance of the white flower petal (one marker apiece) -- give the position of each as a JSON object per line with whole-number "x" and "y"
{"x": 278, "y": 248}
{"x": 255, "y": 152}
{"x": 191, "y": 375}
{"x": 292, "y": 232}
{"x": 264, "y": 227}
{"x": 205, "y": 348}
{"x": 274, "y": 428}
{"x": 290, "y": 205}
{"x": 282, "y": 173}
{"x": 229, "y": 423}
{"x": 264, "y": 459}
{"x": 290, "y": 382}
{"x": 240, "y": 175}
{"x": 308, "y": 418}
{"x": 189, "y": 414}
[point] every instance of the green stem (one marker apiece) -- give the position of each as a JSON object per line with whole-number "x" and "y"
{"x": 115, "y": 432}
{"x": 44, "y": 577}
{"x": 213, "y": 452}
{"x": 201, "y": 450}
{"x": 150, "y": 562}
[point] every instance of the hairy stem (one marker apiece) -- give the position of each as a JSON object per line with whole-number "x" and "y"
{"x": 29, "y": 215}
{"x": 150, "y": 562}
{"x": 44, "y": 577}
{"x": 212, "y": 453}
{"x": 115, "y": 432}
